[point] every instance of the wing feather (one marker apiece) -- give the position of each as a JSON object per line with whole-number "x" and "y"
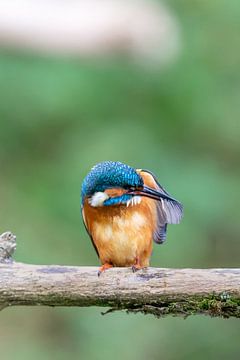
{"x": 168, "y": 211}
{"x": 86, "y": 227}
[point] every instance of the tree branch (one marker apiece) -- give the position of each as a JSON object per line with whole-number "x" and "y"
{"x": 214, "y": 292}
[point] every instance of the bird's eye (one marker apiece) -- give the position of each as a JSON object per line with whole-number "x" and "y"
{"x": 132, "y": 188}
{"x": 136, "y": 188}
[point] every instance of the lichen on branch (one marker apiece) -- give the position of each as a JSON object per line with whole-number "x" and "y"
{"x": 156, "y": 291}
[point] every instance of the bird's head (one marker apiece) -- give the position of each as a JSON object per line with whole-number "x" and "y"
{"x": 113, "y": 183}
{"x": 109, "y": 182}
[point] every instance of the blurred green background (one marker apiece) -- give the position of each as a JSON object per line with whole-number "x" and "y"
{"x": 61, "y": 116}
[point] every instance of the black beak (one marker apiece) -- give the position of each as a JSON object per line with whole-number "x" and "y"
{"x": 151, "y": 193}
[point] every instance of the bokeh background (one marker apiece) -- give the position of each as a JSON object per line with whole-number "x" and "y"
{"x": 172, "y": 109}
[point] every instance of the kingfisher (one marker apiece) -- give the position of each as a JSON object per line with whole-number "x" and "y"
{"x": 124, "y": 210}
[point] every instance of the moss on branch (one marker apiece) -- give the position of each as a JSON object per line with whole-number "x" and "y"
{"x": 160, "y": 292}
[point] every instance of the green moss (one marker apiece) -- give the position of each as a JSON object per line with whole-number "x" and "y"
{"x": 222, "y": 305}
{"x": 215, "y": 305}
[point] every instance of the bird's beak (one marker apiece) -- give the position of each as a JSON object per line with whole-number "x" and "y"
{"x": 151, "y": 193}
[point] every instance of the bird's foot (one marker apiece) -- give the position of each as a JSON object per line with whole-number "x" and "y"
{"x": 137, "y": 266}
{"x": 104, "y": 267}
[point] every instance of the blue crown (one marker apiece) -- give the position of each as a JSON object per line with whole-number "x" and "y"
{"x": 109, "y": 174}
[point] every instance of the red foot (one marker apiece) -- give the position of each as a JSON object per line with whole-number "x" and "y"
{"x": 103, "y": 268}
{"x": 137, "y": 266}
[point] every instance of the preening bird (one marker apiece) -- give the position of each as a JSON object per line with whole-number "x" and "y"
{"x": 124, "y": 210}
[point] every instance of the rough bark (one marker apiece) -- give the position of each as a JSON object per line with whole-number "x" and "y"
{"x": 160, "y": 292}
{"x": 215, "y": 292}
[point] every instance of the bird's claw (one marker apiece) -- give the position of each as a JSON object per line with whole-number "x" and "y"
{"x": 136, "y": 268}
{"x": 103, "y": 268}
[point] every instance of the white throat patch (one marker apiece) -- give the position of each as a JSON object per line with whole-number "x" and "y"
{"x": 135, "y": 200}
{"x": 98, "y": 199}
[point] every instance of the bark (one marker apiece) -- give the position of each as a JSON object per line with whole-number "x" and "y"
{"x": 214, "y": 292}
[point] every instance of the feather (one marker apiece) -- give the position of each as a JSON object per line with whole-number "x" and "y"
{"x": 169, "y": 210}
{"x": 85, "y": 224}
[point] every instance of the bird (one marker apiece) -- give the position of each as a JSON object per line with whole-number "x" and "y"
{"x": 124, "y": 211}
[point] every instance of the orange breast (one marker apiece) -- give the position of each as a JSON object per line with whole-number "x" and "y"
{"x": 122, "y": 234}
